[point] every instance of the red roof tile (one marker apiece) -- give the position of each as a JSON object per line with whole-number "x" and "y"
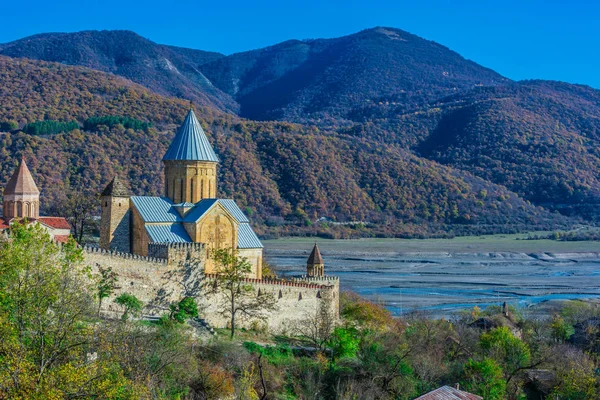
{"x": 4, "y": 223}
{"x": 61, "y": 238}
{"x": 55, "y": 222}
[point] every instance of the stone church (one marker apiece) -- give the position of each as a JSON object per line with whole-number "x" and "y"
{"x": 188, "y": 212}
{"x": 21, "y": 202}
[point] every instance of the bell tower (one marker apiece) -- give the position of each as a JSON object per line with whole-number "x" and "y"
{"x": 190, "y": 164}
{"x": 21, "y": 195}
{"x": 315, "y": 266}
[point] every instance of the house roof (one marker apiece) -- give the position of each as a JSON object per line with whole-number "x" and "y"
{"x": 115, "y": 188}
{"x": 61, "y": 238}
{"x": 156, "y": 209}
{"x": 4, "y": 223}
{"x": 21, "y": 182}
{"x": 55, "y": 222}
{"x": 315, "y": 256}
{"x": 190, "y": 143}
{"x": 449, "y": 393}
{"x": 167, "y": 233}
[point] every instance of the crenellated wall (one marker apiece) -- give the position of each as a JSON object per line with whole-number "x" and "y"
{"x": 173, "y": 271}
{"x": 295, "y": 300}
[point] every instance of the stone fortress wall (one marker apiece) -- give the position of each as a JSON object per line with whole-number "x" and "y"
{"x": 173, "y": 271}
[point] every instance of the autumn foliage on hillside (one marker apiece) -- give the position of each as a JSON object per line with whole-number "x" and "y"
{"x": 285, "y": 176}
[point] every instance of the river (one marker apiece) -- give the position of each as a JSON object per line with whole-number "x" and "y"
{"x": 440, "y": 283}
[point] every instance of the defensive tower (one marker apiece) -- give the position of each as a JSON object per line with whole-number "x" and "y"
{"x": 115, "y": 220}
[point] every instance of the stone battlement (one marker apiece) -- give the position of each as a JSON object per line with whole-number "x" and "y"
{"x": 307, "y": 278}
{"x": 123, "y": 255}
{"x": 168, "y": 250}
{"x": 281, "y": 282}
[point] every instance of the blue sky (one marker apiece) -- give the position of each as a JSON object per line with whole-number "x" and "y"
{"x": 520, "y": 39}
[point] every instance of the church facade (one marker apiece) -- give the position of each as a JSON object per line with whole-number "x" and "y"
{"x": 188, "y": 212}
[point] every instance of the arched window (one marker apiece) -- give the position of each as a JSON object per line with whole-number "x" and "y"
{"x": 201, "y": 188}
{"x": 19, "y": 209}
{"x": 167, "y": 187}
{"x": 192, "y": 190}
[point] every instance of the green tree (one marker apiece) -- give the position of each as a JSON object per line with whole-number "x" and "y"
{"x": 184, "y": 310}
{"x": 484, "y": 378}
{"x": 107, "y": 283}
{"x": 510, "y": 352}
{"x": 46, "y": 324}
{"x": 561, "y": 330}
{"x": 131, "y": 305}
{"x": 239, "y": 296}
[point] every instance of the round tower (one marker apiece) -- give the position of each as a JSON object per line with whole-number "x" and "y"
{"x": 315, "y": 266}
{"x": 190, "y": 164}
{"x": 21, "y": 195}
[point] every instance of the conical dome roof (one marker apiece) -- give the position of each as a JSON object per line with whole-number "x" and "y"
{"x": 190, "y": 143}
{"x": 315, "y": 256}
{"x": 21, "y": 183}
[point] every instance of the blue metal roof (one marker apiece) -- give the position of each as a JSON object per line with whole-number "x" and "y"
{"x": 156, "y": 209}
{"x": 247, "y": 239}
{"x": 184, "y": 204}
{"x": 190, "y": 143}
{"x": 167, "y": 233}
{"x": 234, "y": 210}
{"x": 200, "y": 209}
{"x": 164, "y": 224}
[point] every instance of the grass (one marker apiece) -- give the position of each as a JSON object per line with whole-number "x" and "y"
{"x": 463, "y": 244}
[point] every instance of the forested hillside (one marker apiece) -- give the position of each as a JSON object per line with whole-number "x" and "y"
{"x": 285, "y": 175}
{"x": 324, "y": 79}
{"x": 166, "y": 70}
{"x": 381, "y": 111}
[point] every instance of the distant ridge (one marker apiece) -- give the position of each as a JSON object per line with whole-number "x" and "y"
{"x": 167, "y": 70}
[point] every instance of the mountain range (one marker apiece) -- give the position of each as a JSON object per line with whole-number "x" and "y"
{"x": 380, "y": 126}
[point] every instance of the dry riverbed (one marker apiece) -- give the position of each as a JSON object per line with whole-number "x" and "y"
{"x": 441, "y": 276}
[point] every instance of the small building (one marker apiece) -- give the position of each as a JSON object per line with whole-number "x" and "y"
{"x": 21, "y": 202}
{"x": 449, "y": 393}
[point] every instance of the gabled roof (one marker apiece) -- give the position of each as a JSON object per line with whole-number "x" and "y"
{"x": 315, "y": 256}
{"x": 234, "y": 210}
{"x": 156, "y": 209}
{"x": 55, "y": 222}
{"x": 190, "y": 143}
{"x": 247, "y": 239}
{"x": 21, "y": 182}
{"x": 200, "y": 209}
{"x": 167, "y": 233}
{"x": 449, "y": 393}
{"x": 165, "y": 225}
{"x": 115, "y": 188}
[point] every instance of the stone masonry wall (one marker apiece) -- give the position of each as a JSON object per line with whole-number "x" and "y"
{"x": 158, "y": 283}
{"x": 295, "y": 301}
